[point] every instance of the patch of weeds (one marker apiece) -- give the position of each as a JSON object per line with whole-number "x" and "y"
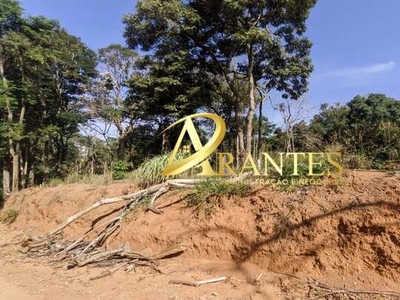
{"x": 149, "y": 172}
{"x": 208, "y": 195}
{"x": 145, "y": 203}
{"x": 137, "y": 208}
{"x": 9, "y": 216}
{"x": 55, "y": 182}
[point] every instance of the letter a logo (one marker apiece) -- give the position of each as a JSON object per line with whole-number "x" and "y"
{"x": 200, "y": 157}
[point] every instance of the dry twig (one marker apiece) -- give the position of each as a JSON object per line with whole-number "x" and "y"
{"x": 198, "y": 283}
{"x": 336, "y": 291}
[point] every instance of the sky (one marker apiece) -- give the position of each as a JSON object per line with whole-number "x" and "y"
{"x": 356, "y": 43}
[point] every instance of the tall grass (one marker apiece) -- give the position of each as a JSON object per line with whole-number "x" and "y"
{"x": 149, "y": 172}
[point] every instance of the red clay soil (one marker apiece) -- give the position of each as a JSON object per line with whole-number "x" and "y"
{"x": 345, "y": 236}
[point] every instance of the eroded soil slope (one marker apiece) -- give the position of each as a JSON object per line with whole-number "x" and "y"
{"x": 345, "y": 236}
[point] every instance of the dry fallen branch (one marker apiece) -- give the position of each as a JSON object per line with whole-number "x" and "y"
{"x": 198, "y": 283}
{"x": 182, "y": 183}
{"x": 13, "y": 241}
{"x": 100, "y": 256}
{"x": 159, "y": 193}
{"x": 109, "y": 272}
{"x": 79, "y": 240}
{"x": 82, "y": 252}
{"x": 124, "y": 252}
{"x": 330, "y": 291}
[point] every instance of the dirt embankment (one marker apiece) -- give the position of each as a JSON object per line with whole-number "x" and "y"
{"x": 346, "y": 235}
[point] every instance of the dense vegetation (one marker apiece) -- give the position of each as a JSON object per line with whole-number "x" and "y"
{"x": 61, "y": 116}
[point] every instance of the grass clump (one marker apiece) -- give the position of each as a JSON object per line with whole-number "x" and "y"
{"x": 9, "y": 216}
{"x": 208, "y": 195}
{"x": 149, "y": 172}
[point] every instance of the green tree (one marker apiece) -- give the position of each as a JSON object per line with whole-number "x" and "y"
{"x": 260, "y": 42}
{"x": 365, "y": 127}
{"x": 368, "y": 119}
{"x": 332, "y": 123}
{"x": 44, "y": 73}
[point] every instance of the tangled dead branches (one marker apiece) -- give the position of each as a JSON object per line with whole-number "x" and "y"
{"x": 82, "y": 252}
{"x": 323, "y": 291}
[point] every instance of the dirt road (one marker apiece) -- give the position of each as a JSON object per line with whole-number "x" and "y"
{"x": 24, "y": 278}
{"x": 9, "y": 291}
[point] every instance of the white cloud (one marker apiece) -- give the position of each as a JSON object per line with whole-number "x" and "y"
{"x": 361, "y": 72}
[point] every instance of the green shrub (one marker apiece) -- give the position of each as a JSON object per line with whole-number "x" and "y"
{"x": 120, "y": 170}
{"x": 9, "y": 216}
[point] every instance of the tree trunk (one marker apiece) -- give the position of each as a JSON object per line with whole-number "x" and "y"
{"x": 240, "y": 135}
{"x": 105, "y": 166}
{"x": 260, "y": 120}
{"x": 25, "y": 165}
{"x": 15, "y": 167}
{"x": 45, "y": 159}
{"x": 15, "y": 150}
{"x": 165, "y": 147}
{"x": 13, "y": 146}
{"x": 31, "y": 173}
{"x": 91, "y": 168}
{"x": 6, "y": 182}
{"x": 123, "y": 135}
{"x": 250, "y": 113}
{"x": 121, "y": 148}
